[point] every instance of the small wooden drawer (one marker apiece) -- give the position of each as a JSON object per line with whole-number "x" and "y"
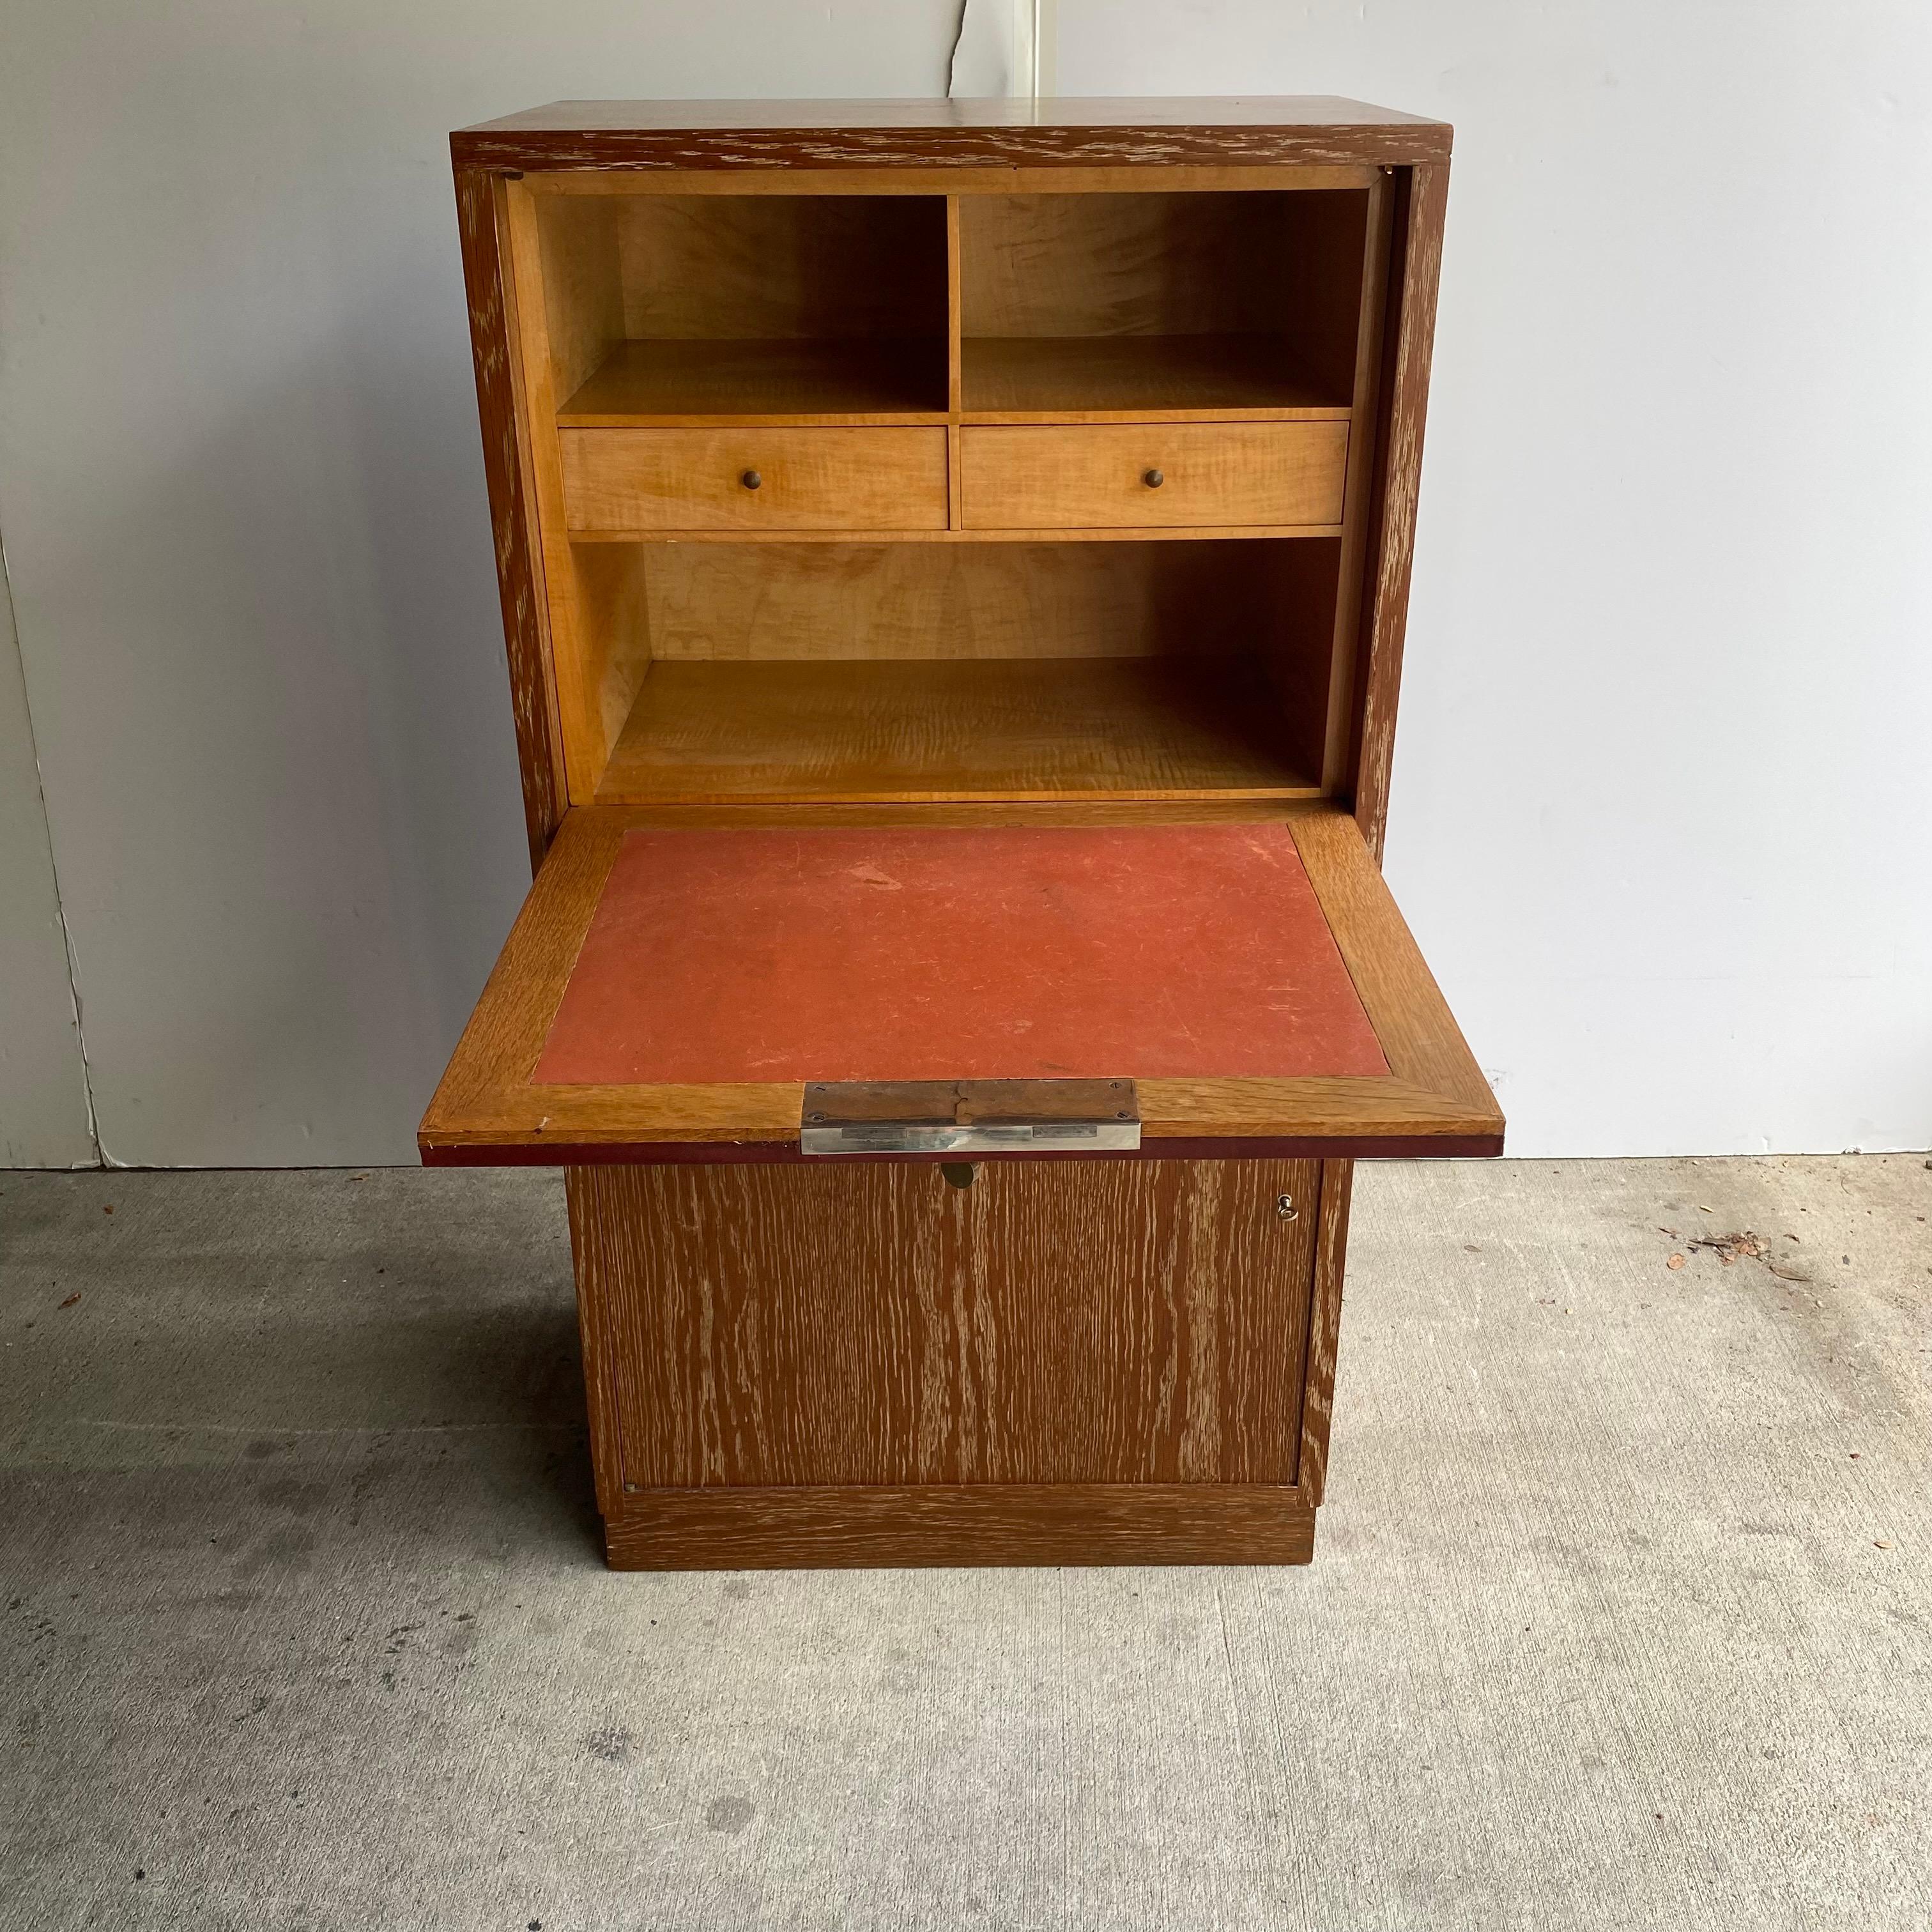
{"x": 1156, "y": 475}
{"x": 753, "y": 479}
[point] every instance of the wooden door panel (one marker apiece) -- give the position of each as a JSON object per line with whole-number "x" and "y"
{"x": 1075, "y": 1322}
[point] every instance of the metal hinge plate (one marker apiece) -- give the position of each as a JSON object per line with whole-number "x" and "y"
{"x": 970, "y": 1117}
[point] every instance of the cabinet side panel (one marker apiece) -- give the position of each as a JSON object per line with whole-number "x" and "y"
{"x": 562, "y": 265}
{"x": 533, "y": 702}
{"x": 1371, "y": 311}
{"x": 1075, "y": 1322}
{"x": 1421, "y": 201}
{"x": 597, "y": 1230}
{"x": 1324, "y": 1326}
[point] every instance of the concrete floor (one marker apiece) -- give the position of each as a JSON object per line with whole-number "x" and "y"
{"x": 1620, "y": 1616}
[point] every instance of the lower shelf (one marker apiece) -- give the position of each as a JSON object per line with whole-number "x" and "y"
{"x": 858, "y": 731}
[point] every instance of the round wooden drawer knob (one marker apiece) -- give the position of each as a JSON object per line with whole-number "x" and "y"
{"x": 750, "y": 479}
{"x": 1154, "y": 479}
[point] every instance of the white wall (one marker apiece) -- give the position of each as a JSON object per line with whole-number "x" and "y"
{"x": 44, "y": 1119}
{"x": 1662, "y": 807}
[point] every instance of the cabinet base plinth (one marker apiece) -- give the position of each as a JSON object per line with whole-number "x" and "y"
{"x": 817, "y": 1527}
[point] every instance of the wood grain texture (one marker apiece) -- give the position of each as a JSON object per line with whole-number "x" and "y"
{"x": 781, "y": 183}
{"x": 817, "y": 268}
{"x": 897, "y": 601}
{"x": 1324, "y": 1326}
{"x": 1292, "y": 628}
{"x": 551, "y": 269}
{"x": 677, "y": 479}
{"x": 1147, "y": 263}
{"x": 611, "y": 618}
{"x": 1137, "y": 378}
{"x": 990, "y": 1525}
{"x": 1337, "y": 703}
{"x": 581, "y": 283}
{"x": 1422, "y": 200}
{"x": 1258, "y": 474}
{"x": 1124, "y": 1358}
{"x": 804, "y": 134}
{"x": 1075, "y": 1322}
{"x": 728, "y": 383}
{"x": 600, "y": 1367}
{"x": 487, "y": 1111}
{"x": 1190, "y": 533}
{"x": 506, "y": 1028}
{"x": 1419, "y": 1033}
{"x": 1006, "y": 728}
{"x": 1276, "y": 277}
{"x": 1368, "y": 1145}
{"x": 520, "y": 1124}
{"x": 512, "y": 511}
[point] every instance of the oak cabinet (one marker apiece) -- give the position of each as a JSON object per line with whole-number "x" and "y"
{"x": 955, "y": 561}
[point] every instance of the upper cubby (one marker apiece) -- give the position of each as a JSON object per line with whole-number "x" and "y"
{"x": 773, "y": 307}
{"x": 1097, "y": 307}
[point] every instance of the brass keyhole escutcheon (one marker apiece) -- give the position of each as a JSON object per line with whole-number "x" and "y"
{"x": 1154, "y": 479}
{"x": 750, "y": 479}
{"x": 1284, "y": 1206}
{"x": 958, "y": 1173}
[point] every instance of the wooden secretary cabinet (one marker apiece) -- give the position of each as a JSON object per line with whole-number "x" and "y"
{"x": 954, "y": 560}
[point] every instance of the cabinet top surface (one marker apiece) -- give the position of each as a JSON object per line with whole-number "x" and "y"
{"x": 1259, "y": 128}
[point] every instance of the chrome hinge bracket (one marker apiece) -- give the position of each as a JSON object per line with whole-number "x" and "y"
{"x": 970, "y": 1117}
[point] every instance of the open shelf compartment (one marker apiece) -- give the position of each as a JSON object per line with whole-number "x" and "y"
{"x": 1098, "y": 306}
{"x": 768, "y": 673}
{"x": 674, "y": 309}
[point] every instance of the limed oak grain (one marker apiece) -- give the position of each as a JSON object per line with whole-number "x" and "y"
{"x": 997, "y": 1524}
{"x": 835, "y": 1324}
{"x": 762, "y": 136}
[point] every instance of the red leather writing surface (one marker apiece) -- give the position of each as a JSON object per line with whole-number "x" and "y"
{"x": 900, "y": 953}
